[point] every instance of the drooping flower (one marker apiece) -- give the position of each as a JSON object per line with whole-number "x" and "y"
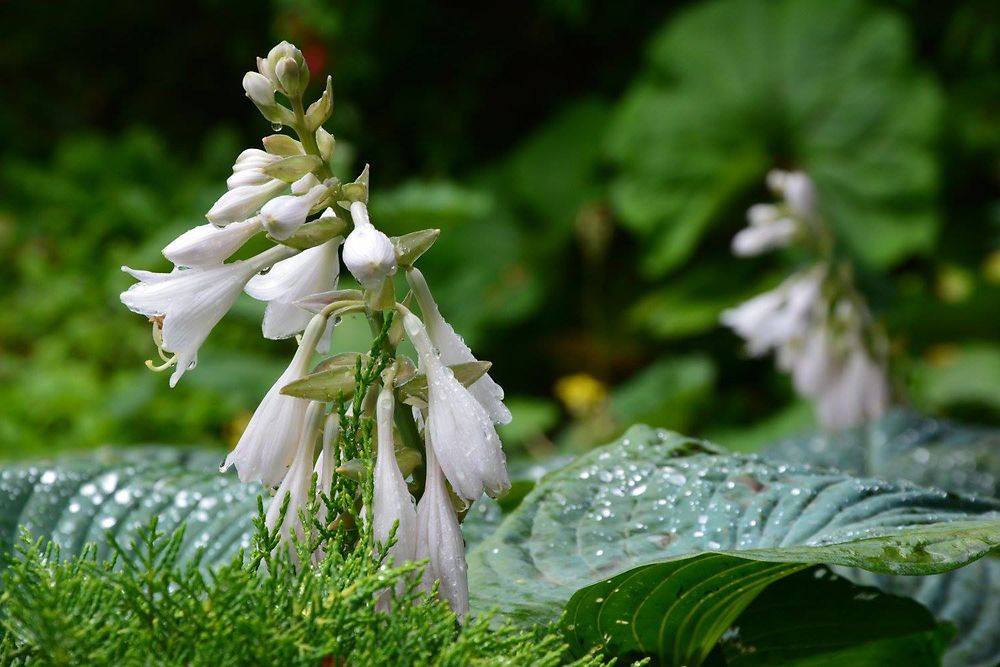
{"x": 192, "y": 301}
{"x": 768, "y": 229}
{"x": 206, "y": 245}
{"x": 297, "y": 480}
{"x": 392, "y": 504}
{"x": 282, "y": 216}
{"x": 459, "y": 428}
{"x": 797, "y": 189}
{"x": 440, "y": 541}
{"x": 453, "y": 350}
{"x": 859, "y": 392}
{"x": 267, "y": 446}
{"x": 368, "y": 253}
{"x": 311, "y": 271}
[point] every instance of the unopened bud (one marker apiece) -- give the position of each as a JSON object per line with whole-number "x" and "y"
{"x": 326, "y": 143}
{"x": 287, "y": 71}
{"x": 368, "y": 253}
{"x": 320, "y": 110}
{"x": 259, "y": 89}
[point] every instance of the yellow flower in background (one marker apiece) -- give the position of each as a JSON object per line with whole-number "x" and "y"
{"x": 581, "y": 393}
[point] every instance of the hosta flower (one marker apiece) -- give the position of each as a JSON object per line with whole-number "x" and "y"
{"x": 453, "y": 350}
{"x": 192, "y": 301}
{"x": 249, "y": 189}
{"x": 392, "y": 504}
{"x": 207, "y": 244}
{"x": 311, "y": 271}
{"x": 266, "y": 448}
{"x": 459, "y": 428}
{"x": 859, "y": 392}
{"x": 282, "y": 216}
{"x": 368, "y": 253}
{"x": 797, "y": 189}
{"x": 772, "y": 319}
{"x": 768, "y": 229}
{"x": 440, "y": 541}
{"x": 297, "y": 480}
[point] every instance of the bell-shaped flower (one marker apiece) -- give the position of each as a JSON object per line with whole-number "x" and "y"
{"x": 458, "y": 426}
{"x": 267, "y": 446}
{"x": 368, "y": 253}
{"x": 392, "y": 504}
{"x": 206, "y": 245}
{"x": 297, "y": 480}
{"x": 860, "y": 391}
{"x": 798, "y": 191}
{"x": 440, "y": 541}
{"x": 768, "y": 229}
{"x": 192, "y": 301}
{"x": 453, "y": 350}
{"x": 311, "y": 271}
{"x": 282, "y": 216}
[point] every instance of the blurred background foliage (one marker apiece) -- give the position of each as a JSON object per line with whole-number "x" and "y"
{"x": 588, "y": 163}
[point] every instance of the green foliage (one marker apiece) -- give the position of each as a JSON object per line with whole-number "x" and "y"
{"x": 147, "y": 602}
{"x": 784, "y": 614}
{"x": 654, "y": 496}
{"x": 816, "y": 81}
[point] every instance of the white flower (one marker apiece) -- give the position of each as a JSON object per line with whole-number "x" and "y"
{"x": 249, "y": 188}
{"x": 311, "y": 271}
{"x": 797, "y": 189}
{"x": 282, "y": 216}
{"x": 207, "y": 244}
{"x": 453, "y": 350}
{"x": 773, "y": 319}
{"x": 259, "y": 89}
{"x": 266, "y": 448}
{"x": 297, "y": 480}
{"x": 860, "y": 392}
{"x": 459, "y": 428}
{"x": 758, "y": 239}
{"x": 192, "y": 301}
{"x": 814, "y": 364}
{"x": 368, "y": 253}
{"x": 439, "y": 540}
{"x": 392, "y": 502}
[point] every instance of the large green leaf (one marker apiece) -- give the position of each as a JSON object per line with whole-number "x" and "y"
{"x": 655, "y": 495}
{"x": 776, "y": 614}
{"x": 956, "y": 458}
{"x": 735, "y": 87}
{"x": 78, "y": 500}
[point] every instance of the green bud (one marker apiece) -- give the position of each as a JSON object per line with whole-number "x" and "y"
{"x": 282, "y": 144}
{"x": 353, "y": 469}
{"x": 291, "y": 169}
{"x": 356, "y": 191}
{"x": 410, "y": 247}
{"x": 287, "y": 71}
{"x": 320, "y": 110}
{"x": 324, "y": 385}
{"x": 317, "y": 232}
{"x": 326, "y": 143}
{"x": 414, "y": 391}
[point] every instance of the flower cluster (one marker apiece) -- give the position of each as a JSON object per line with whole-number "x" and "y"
{"x": 815, "y": 322}
{"x": 451, "y": 407}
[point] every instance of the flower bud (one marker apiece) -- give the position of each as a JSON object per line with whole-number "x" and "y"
{"x": 326, "y": 143}
{"x": 368, "y": 253}
{"x": 282, "y": 216}
{"x": 259, "y": 89}
{"x": 269, "y": 68}
{"x": 287, "y": 71}
{"x": 320, "y": 110}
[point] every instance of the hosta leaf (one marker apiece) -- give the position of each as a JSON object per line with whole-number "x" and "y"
{"x": 905, "y": 444}
{"x": 677, "y": 611}
{"x": 735, "y": 86}
{"x": 655, "y": 495}
{"x": 77, "y": 500}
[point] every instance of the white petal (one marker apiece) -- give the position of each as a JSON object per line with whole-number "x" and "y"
{"x": 207, "y": 244}
{"x": 453, "y": 350}
{"x": 311, "y": 271}
{"x": 757, "y": 239}
{"x": 440, "y": 541}
{"x": 466, "y": 443}
{"x": 266, "y": 447}
{"x": 800, "y": 194}
{"x": 247, "y": 177}
{"x": 369, "y": 256}
{"x": 242, "y": 202}
{"x": 296, "y": 482}
{"x": 392, "y": 502}
{"x": 282, "y": 216}
{"x": 192, "y": 302}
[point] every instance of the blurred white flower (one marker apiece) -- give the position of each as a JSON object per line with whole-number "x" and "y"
{"x": 368, "y": 253}
{"x": 440, "y": 541}
{"x": 768, "y": 229}
{"x": 311, "y": 271}
{"x": 392, "y": 502}
{"x": 207, "y": 244}
{"x": 192, "y": 301}
{"x": 266, "y": 448}
{"x": 453, "y": 350}
{"x": 773, "y": 319}
{"x": 467, "y": 446}
{"x": 858, "y": 393}
{"x": 797, "y": 189}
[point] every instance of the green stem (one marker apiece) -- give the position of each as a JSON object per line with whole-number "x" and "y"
{"x": 308, "y": 138}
